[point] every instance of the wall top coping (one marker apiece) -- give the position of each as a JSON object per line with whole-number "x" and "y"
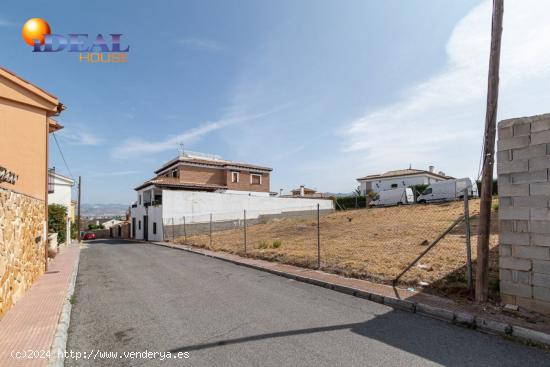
{"x": 522, "y": 120}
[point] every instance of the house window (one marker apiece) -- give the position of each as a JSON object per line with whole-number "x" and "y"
{"x": 154, "y": 227}
{"x": 139, "y": 199}
{"x": 393, "y": 186}
{"x": 255, "y": 179}
{"x": 139, "y": 224}
{"x": 235, "y": 177}
{"x": 175, "y": 173}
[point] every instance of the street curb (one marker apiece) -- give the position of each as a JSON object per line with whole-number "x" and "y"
{"x": 462, "y": 319}
{"x": 59, "y": 344}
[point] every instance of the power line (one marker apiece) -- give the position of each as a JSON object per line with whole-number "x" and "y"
{"x": 61, "y": 152}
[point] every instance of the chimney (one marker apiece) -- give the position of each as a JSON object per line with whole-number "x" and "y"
{"x": 302, "y": 193}
{"x": 431, "y": 168}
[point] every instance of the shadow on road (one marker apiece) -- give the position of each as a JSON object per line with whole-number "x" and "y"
{"x": 110, "y": 241}
{"x": 403, "y": 331}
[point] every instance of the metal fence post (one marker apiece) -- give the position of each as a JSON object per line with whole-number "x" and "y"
{"x": 468, "y": 244}
{"x": 210, "y": 229}
{"x": 244, "y": 227}
{"x": 173, "y": 235}
{"x": 318, "y": 239}
{"x": 184, "y": 231}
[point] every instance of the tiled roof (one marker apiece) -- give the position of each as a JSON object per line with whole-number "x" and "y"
{"x": 211, "y": 162}
{"x": 32, "y": 88}
{"x": 176, "y": 183}
{"x": 403, "y": 172}
{"x": 305, "y": 189}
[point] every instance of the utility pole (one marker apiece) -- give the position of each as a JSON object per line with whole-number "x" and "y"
{"x": 482, "y": 280}
{"x": 78, "y": 215}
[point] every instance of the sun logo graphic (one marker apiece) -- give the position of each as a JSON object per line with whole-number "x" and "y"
{"x": 35, "y": 29}
{"x": 37, "y": 33}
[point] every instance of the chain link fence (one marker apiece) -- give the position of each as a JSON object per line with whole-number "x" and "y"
{"x": 431, "y": 244}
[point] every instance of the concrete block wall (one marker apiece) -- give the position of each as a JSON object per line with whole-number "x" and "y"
{"x": 523, "y": 164}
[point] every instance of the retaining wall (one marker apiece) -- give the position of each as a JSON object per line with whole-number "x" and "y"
{"x": 22, "y": 252}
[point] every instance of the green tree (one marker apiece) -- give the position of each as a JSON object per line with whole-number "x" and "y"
{"x": 57, "y": 221}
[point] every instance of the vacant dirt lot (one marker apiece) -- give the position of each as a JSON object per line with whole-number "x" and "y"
{"x": 375, "y": 244}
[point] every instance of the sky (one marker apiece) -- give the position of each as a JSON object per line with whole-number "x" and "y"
{"x": 322, "y": 91}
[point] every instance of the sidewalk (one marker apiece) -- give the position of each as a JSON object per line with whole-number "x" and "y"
{"x": 31, "y": 324}
{"x": 480, "y": 317}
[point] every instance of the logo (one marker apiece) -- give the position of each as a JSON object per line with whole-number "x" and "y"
{"x": 37, "y": 33}
{"x": 8, "y": 176}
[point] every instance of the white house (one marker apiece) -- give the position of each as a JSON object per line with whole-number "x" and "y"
{"x": 60, "y": 192}
{"x": 400, "y": 178}
{"x": 108, "y": 224}
{"x": 195, "y": 186}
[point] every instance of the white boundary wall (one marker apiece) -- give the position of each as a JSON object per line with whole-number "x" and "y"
{"x": 196, "y": 206}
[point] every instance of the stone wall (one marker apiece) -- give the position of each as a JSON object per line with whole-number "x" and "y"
{"x": 523, "y": 163}
{"x": 22, "y": 259}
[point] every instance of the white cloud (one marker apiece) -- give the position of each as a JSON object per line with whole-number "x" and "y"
{"x": 77, "y": 135}
{"x": 112, "y": 174}
{"x": 6, "y": 23}
{"x": 201, "y": 43}
{"x": 441, "y": 120}
{"x": 136, "y": 145}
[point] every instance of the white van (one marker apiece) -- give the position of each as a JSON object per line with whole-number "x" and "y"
{"x": 448, "y": 190}
{"x": 403, "y": 195}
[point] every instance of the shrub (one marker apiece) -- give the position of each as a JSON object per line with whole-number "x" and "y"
{"x": 74, "y": 230}
{"x": 262, "y": 245}
{"x": 57, "y": 221}
{"x": 351, "y": 202}
{"x": 418, "y": 189}
{"x": 494, "y": 188}
{"x": 495, "y": 206}
{"x": 276, "y": 244}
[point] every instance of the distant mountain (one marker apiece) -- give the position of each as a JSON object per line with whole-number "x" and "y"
{"x": 103, "y": 210}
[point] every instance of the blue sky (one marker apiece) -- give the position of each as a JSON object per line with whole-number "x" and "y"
{"x": 322, "y": 91}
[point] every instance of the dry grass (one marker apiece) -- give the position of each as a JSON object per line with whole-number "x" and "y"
{"x": 375, "y": 244}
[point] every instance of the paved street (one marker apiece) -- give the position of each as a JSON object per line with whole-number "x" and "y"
{"x": 137, "y": 297}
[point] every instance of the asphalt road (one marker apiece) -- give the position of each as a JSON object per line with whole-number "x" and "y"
{"x": 138, "y": 297}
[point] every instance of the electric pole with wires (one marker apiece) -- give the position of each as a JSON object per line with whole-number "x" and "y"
{"x": 482, "y": 278}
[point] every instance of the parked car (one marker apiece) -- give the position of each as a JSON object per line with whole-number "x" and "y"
{"x": 448, "y": 190}
{"x": 89, "y": 236}
{"x": 402, "y": 195}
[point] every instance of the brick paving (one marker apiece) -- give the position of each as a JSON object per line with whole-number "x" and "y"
{"x": 485, "y": 311}
{"x": 32, "y": 322}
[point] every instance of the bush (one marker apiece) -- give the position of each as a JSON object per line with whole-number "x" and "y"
{"x": 74, "y": 230}
{"x": 418, "y": 190}
{"x": 262, "y": 245}
{"x": 57, "y": 221}
{"x": 93, "y": 227}
{"x": 351, "y": 202}
{"x": 276, "y": 244}
{"x": 494, "y": 190}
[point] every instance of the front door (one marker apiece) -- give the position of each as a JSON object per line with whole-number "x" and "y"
{"x": 145, "y": 228}
{"x": 133, "y": 227}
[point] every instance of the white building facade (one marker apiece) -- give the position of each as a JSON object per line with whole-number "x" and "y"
{"x": 170, "y": 207}
{"x": 60, "y": 192}
{"x": 399, "y": 178}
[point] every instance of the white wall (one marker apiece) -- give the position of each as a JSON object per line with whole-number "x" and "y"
{"x": 197, "y": 205}
{"x": 386, "y": 184}
{"x": 62, "y": 195}
{"x": 154, "y": 214}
